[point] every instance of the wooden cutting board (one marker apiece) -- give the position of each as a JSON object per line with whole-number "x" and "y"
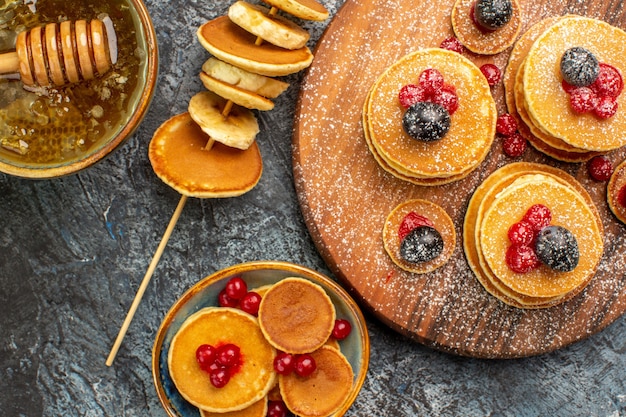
{"x": 345, "y": 196}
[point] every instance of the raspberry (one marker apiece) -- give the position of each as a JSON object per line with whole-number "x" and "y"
{"x": 491, "y": 73}
{"x": 600, "y": 168}
{"x": 567, "y": 87}
{"x": 521, "y": 259}
{"x": 621, "y": 196}
{"x": 412, "y": 221}
{"x": 506, "y": 124}
{"x": 452, "y": 44}
{"x": 448, "y": 99}
{"x": 539, "y": 216}
{"x": 609, "y": 81}
{"x": 605, "y": 107}
{"x": 514, "y": 145}
{"x": 411, "y": 94}
{"x": 431, "y": 80}
{"x": 521, "y": 234}
{"x": 583, "y": 99}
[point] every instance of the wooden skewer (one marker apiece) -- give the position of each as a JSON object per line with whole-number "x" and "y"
{"x": 272, "y": 12}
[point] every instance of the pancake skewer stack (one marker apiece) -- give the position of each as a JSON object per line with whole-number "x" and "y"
{"x": 210, "y": 151}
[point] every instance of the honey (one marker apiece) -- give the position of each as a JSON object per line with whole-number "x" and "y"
{"x": 58, "y": 125}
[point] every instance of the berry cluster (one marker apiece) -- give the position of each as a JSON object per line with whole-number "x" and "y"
{"x": 419, "y": 240}
{"x": 514, "y": 144}
{"x": 593, "y": 86}
{"x": 303, "y": 365}
{"x": 534, "y": 241}
{"x": 236, "y": 295}
{"x": 220, "y": 362}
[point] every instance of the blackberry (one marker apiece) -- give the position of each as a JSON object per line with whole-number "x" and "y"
{"x": 557, "y": 248}
{"x": 422, "y": 244}
{"x": 579, "y": 67}
{"x": 493, "y": 14}
{"x": 426, "y": 121}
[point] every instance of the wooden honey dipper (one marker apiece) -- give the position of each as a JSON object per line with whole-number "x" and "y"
{"x": 56, "y": 54}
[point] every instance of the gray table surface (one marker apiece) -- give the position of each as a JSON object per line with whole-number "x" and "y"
{"x": 73, "y": 251}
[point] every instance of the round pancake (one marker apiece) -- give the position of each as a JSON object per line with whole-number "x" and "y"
{"x": 179, "y": 159}
{"x": 472, "y": 127}
{"x": 230, "y": 43}
{"x": 324, "y": 391}
{"x": 546, "y": 101}
{"x": 484, "y": 42}
{"x": 217, "y": 326}
{"x": 235, "y": 94}
{"x": 569, "y": 210}
{"x": 616, "y": 182}
{"x": 296, "y": 316}
{"x": 302, "y": 9}
{"x": 246, "y": 80}
{"x": 273, "y": 29}
{"x": 258, "y": 409}
{"x": 442, "y": 223}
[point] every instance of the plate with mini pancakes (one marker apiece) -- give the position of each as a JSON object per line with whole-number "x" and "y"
{"x": 363, "y": 179}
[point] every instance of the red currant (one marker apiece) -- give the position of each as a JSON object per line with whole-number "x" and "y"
{"x": 491, "y": 73}
{"x": 506, "y": 124}
{"x": 521, "y": 259}
{"x": 250, "y": 303}
{"x": 583, "y": 100}
{"x": 205, "y": 356}
{"x": 411, "y": 221}
{"x": 219, "y": 377}
{"x": 606, "y": 107}
{"x": 609, "y": 81}
{"x": 448, "y": 99}
{"x": 452, "y": 44}
{"x": 342, "y": 329}
{"x": 305, "y": 365}
{"x": 621, "y": 196}
{"x": 411, "y": 94}
{"x": 539, "y": 216}
{"x": 277, "y": 409}
{"x": 431, "y": 80}
{"x": 223, "y": 300}
{"x": 236, "y": 288}
{"x": 521, "y": 234}
{"x": 284, "y": 363}
{"x": 600, "y": 168}
{"x": 228, "y": 355}
{"x": 514, "y": 145}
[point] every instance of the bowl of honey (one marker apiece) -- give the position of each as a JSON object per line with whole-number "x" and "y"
{"x": 76, "y": 80}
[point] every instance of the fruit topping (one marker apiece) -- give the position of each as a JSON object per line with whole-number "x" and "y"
{"x": 221, "y": 362}
{"x": 410, "y": 222}
{"x": 452, "y": 44}
{"x": 236, "y": 288}
{"x": 583, "y": 99}
{"x": 600, "y": 168}
{"x": 606, "y": 107}
{"x": 492, "y": 73}
{"x": 305, "y": 365}
{"x": 432, "y": 81}
{"x": 506, "y": 124}
{"x": 284, "y": 363}
{"x": 609, "y": 81}
{"x": 447, "y": 98}
{"x": 219, "y": 377}
{"x": 277, "y": 408}
{"x": 342, "y": 329}
{"x": 422, "y": 244}
{"x": 250, "y": 303}
{"x": 557, "y": 248}
{"x": 521, "y": 233}
{"x": 224, "y": 300}
{"x": 426, "y": 121}
{"x": 492, "y": 14}
{"x": 514, "y": 145}
{"x": 205, "y": 356}
{"x": 621, "y": 196}
{"x": 521, "y": 259}
{"x": 538, "y": 216}
{"x": 411, "y": 94}
{"x": 579, "y": 66}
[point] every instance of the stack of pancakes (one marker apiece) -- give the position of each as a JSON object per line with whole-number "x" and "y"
{"x": 249, "y": 47}
{"x": 501, "y": 200}
{"x": 534, "y": 94}
{"x": 472, "y": 127}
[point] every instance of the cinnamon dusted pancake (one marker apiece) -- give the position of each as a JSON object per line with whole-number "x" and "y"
{"x": 230, "y": 43}
{"x": 482, "y": 41}
{"x": 548, "y": 104}
{"x": 616, "y": 192}
{"x": 296, "y": 315}
{"x": 324, "y": 391}
{"x": 179, "y": 159}
{"x": 259, "y": 84}
{"x": 274, "y": 29}
{"x": 217, "y": 326}
{"x": 472, "y": 126}
{"x": 441, "y": 222}
{"x": 258, "y": 409}
{"x": 302, "y": 9}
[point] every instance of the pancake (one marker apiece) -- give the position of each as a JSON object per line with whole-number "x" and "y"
{"x": 273, "y": 29}
{"x": 441, "y": 222}
{"x": 616, "y": 183}
{"x": 258, "y": 409}
{"x": 472, "y": 128}
{"x": 235, "y": 94}
{"x": 302, "y": 9}
{"x": 230, "y": 43}
{"x": 324, "y": 391}
{"x": 481, "y": 41}
{"x": 296, "y": 316}
{"x": 246, "y": 80}
{"x": 546, "y": 101}
{"x": 217, "y": 326}
{"x": 179, "y": 159}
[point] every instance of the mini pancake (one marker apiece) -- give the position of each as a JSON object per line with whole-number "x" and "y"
{"x": 296, "y": 316}
{"x": 546, "y": 101}
{"x": 230, "y": 43}
{"x": 302, "y": 9}
{"x": 569, "y": 210}
{"x": 480, "y": 41}
{"x": 472, "y": 128}
{"x": 616, "y": 183}
{"x": 258, "y": 409}
{"x": 179, "y": 159}
{"x": 246, "y": 80}
{"x": 441, "y": 222}
{"x": 324, "y": 391}
{"x": 274, "y": 29}
{"x": 237, "y": 95}
{"x": 217, "y": 326}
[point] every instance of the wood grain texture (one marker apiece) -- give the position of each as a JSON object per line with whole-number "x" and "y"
{"x": 345, "y": 196}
